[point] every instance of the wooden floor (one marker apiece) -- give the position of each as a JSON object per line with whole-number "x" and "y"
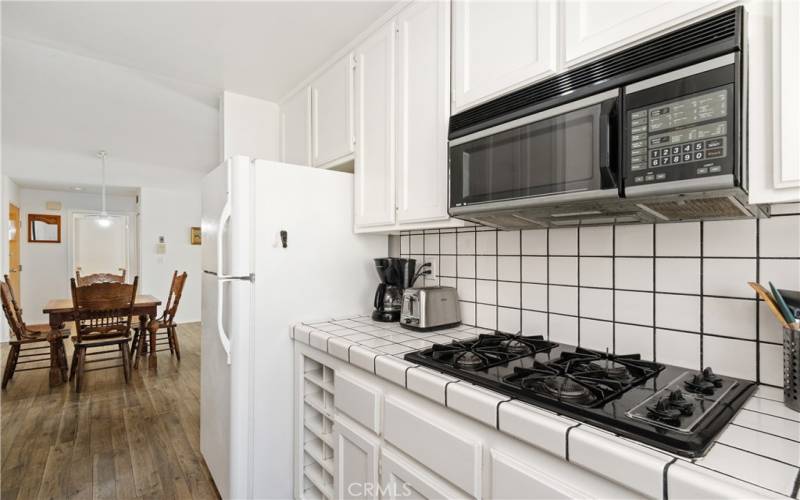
{"x": 111, "y": 441}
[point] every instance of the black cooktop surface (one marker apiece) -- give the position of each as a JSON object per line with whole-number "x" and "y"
{"x": 672, "y": 408}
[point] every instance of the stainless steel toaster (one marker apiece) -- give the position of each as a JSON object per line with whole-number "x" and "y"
{"x": 426, "y": 308}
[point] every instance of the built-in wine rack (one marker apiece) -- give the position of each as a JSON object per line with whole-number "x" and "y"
{"x": 317, "y": 430}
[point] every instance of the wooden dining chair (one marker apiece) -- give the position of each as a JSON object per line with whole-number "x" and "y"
{"x": 103, "y": 314}
{"x": 91, "y": 279}
{"x": 167, "y": 328}
{"x": 28, "y": 341}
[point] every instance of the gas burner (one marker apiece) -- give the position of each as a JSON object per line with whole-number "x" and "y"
{"x": 468, "y": 361}
{"x": 610, "y": 369}
{"x": 515, "y": 346}
{"x": 566, "y": 389}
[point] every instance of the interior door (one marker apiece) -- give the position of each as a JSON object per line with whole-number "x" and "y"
{"x": 14, "y": 268}
{"x": 101, "y": 248}
{"x": 375, "y": 134}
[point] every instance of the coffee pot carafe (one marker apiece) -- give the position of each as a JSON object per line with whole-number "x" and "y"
{"x": 396, "y": 275}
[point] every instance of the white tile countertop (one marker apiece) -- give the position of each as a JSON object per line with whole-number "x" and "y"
{"x": 756, "y": 456}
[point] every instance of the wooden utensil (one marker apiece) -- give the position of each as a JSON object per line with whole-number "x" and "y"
{"x": 766, "y": 297}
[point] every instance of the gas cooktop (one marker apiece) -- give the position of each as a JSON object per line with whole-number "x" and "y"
{"x": 668, "y": 407}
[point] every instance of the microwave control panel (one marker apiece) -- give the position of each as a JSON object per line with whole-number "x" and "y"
{"x": 680, "y": 139}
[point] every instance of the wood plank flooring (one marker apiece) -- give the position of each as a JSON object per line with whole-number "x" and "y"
{"x": 140, "y": 440}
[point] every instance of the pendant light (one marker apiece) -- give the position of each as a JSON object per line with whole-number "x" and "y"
{"x": 103, "y": 220}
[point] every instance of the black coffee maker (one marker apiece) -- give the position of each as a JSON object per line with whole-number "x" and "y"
{"x": 396, "y": 275}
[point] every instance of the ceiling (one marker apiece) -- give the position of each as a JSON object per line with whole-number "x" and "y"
{"x": 142, "y": 79}
{"x": 260, "y": 49}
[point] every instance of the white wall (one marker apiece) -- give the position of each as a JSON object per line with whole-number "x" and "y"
{"x": 45, "y": 266}
{"x": 171, "y": 213}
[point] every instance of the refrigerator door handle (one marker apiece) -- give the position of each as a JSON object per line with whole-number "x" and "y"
{"x": 223, "y": 337}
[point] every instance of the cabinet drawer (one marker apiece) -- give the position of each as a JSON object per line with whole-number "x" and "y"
{"x": 434, "y": 444}
{"x": 359, "y": 401}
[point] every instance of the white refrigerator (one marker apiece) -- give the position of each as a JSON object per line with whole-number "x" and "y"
{"x": 278, "y": 247}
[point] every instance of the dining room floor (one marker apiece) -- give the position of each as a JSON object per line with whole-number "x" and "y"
{"x": 113, "y": 440}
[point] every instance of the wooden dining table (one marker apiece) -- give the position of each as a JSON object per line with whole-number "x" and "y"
{"x": 60, "y": 311}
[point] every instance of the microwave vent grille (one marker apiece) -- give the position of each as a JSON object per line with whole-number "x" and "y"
{"x": 724, "y": 207}
{"x": 721, "y": 28}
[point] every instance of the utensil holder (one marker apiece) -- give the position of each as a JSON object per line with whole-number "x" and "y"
{"x": 791, "y": 368}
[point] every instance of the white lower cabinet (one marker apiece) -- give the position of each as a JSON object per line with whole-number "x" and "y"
{"x": 389, "y": 443}
{"x": 356, "y": 460}
{"x": 510, "y": 477}
{"x": 402, "y": 479}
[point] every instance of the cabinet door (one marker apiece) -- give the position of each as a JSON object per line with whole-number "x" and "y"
{"x": 423, "y": 112}
{"x": 356, "y": 459}
{"x": 594, "y": 27}
{"x": 786, "y": 96}
{"x": 296, "y": 128}
{"x": 375, "y": 129}
{"x": 332, "y": 113}
{"x": 510, "y": 477}
{"x": 401, "y": 479}
{"x": 499, "y": 46}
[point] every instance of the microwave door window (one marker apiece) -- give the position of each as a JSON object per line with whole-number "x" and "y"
{"x": 555, "y": 155}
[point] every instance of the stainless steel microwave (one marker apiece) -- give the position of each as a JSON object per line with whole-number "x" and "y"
{"x": 653, "y": 133}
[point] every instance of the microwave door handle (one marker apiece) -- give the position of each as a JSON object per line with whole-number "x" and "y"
{"x": 609, "y": 141}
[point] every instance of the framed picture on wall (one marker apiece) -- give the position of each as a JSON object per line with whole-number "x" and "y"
{"x": 196, "y": 236}
{"x": 44, "y": 228}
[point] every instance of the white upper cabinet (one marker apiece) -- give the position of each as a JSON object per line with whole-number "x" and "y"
{"x": 773, "y": 114}
{"x": 356, "y": 461}
{"x": 423, "y": 112}
{"x": 499, "y": 46}
{"x": 296, "y": 128}
{"x": 332, "y": 113}
{"x": 375, "y": 129}
{"x": 786, "y": 97}
{"x": 595, "y": 27}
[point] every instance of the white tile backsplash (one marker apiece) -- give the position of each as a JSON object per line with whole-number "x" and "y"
{"x": 634, "y": 239}
{"x": 508, "y": 243}
{"x": 564, "y": 270}
{"x": 678, "y": 275}
{"x": 779, "y": 236}
{"x": 672, "y": 292}
{"x": 681, "y": 239}
{"x": 534, "y": 269}
{"x": 680, "y": 312}
{"x": 508, "y": 294}
{"x": 729, "y": 317}
{"x": 633, "y": 273}
{"x": 729, "y": 277}
{"x": 534, "y": 242}
{"x": 563, "y": 241}
{"x": 486, "y": 267}
{"x": 597, "y": 271}
{"x": 597, "y": 240}
{"x": 729, "y": 238}
{"x": 730, "y": 356}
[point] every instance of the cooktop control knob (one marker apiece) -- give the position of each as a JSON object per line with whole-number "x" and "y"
{"x": 699, "y": 385}
{"x": 678, "y": 401}
{"x": 710, "y": 376}
{"x": 664, "y": 411}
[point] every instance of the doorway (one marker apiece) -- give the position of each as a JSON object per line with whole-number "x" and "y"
{"x": 14, "y": 267}
{"x": 103, "y": 245}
